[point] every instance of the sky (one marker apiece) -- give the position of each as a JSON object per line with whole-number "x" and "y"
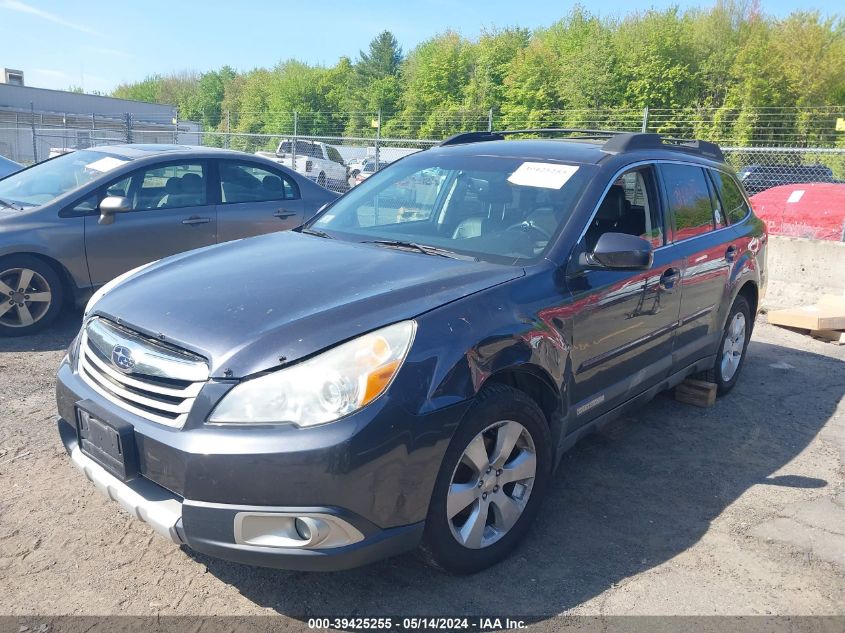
{"x": 98, "y": 44}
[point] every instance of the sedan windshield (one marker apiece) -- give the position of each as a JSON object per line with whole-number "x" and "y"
{"x": 499, "y": 209}
{"x": 48, "y": 180}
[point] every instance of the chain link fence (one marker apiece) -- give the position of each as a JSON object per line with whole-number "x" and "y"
{"x": 771, "y": 148}
{"x": 798, "y": 192}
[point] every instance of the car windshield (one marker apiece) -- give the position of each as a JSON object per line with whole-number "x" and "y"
{"x": 498, "y": 209}
{"x": 45, "y": 181}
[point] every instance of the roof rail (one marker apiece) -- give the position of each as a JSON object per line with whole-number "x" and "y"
{"x": 471, "y": 137}
{"x": 629, "y": 141}
{"x": 614, "y": 141}
{"x": 477, "y": 137}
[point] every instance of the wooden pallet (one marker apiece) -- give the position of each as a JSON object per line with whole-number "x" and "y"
{"x": 696, "y": 392}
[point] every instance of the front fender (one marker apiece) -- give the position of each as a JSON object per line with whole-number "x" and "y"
{"x": 506, "y": 328}
{"x": 70, "y": 256}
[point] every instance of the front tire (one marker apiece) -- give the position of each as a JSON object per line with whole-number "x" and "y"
{"x": 321, "y": 180}
{"x": 31, "y": 295}
{"x": 491, "y": 482}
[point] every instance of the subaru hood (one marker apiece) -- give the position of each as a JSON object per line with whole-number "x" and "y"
{"x": 254, "y": 304}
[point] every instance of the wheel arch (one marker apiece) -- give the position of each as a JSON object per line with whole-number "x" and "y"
{"x": 751, "y": 292}
{"x": 68, "y": 285}
{"x": 537, "y": 385}
{"x": 533, "y": 383}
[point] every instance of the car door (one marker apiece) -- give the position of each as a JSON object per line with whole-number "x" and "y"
{"x": 170, "y": 213}
{"x": 623, "y": 320}
{"x": 255, "y": 199}
{"x": 707, "y": 252}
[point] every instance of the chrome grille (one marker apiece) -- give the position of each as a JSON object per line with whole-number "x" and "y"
{"x": 155, "y": 382}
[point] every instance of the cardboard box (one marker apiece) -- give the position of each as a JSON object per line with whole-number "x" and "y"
{"x": 827, "y": 314}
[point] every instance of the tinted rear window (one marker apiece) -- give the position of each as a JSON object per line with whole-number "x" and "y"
{"x": 689, "y": 199}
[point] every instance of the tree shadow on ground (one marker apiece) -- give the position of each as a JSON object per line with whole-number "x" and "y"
{"x": 624, "y": 501}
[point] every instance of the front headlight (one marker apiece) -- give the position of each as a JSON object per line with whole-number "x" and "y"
{"x": 110, "y": 285}
{"x": 323, "y": 388}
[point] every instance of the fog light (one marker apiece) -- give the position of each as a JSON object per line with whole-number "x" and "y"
{"x": 280, "y": 529}
{"x": 302, "y": 529}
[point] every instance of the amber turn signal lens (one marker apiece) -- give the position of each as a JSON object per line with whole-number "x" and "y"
{"x": 378, "y": 380}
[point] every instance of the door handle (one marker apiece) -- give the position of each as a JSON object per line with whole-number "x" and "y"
{"x": 283, "y": 213}
{"x": 668, "y": 279}
{"x": 730, "y": 254}
{"x": 194, "y": 219}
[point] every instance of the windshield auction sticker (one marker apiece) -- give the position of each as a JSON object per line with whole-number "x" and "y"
{"x": 545, "y": 175}
{"x": 107, "y": 163}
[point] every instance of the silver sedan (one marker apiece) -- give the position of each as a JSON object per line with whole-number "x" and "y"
{"x": 72, "y": 223}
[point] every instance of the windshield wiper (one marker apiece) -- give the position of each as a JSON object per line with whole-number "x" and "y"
{"x": 421, "y": 248}
{"x": 10, "y": 205}
{"x": 317, "y": 233}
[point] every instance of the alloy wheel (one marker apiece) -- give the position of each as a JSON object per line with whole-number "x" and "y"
{"x": 25, "y": 297}
{"x": 733, "y": 346}
{"x": 491, "y": 484}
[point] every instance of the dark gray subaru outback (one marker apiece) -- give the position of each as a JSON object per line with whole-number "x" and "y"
{"x": 408, "y": 367}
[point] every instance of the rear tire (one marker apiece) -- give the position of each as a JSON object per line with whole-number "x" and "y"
{"x": 500, "y": 488}
{"x": 732, "y": 347}
{"x": 31, "y": 295}
{"x": 321, "y": 179}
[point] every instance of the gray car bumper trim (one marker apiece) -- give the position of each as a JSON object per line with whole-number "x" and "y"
{"x": 143, "y": 499}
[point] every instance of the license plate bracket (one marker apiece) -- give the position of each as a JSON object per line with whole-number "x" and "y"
{"x": 109, "y": 442}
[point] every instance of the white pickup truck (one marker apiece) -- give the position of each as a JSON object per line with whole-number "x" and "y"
{"x": 320, "y": 162}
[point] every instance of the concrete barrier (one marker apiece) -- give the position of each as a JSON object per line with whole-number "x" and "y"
{"x": 801, "y": 270}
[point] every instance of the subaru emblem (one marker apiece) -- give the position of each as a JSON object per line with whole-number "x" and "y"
{"x": 121, "y": 357}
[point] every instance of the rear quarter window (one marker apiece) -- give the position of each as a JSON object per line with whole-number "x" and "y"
{"x": 734, "y": 206}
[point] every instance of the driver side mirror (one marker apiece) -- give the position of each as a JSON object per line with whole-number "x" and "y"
{"x": 111, "y": 205}
{"x": 621, "y": 251}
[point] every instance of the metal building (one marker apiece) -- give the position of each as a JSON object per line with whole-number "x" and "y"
{"x": 36, "y": 121}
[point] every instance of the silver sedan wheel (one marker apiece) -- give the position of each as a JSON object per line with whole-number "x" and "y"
{"x": 491, "y": 484}
{"x": 733, "y": 346}
{"x": 25, "y": 297}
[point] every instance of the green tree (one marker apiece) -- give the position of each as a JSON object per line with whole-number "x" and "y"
{"x": 656, "y": 59}
{"x": 702, "y": 72}
{"x": 435, "y": 76}
{"x": 383, "y": 58}
{"x": 494, "y": 56}
{"x": 145, "y": 90}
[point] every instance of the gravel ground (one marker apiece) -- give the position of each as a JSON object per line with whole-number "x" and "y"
{"x": 737, "y": 509}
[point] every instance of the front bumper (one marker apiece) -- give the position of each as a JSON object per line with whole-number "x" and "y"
{"x": 208, "y": 527}
{"x": 374, "y": 471}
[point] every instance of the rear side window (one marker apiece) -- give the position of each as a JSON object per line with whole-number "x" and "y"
{"x": 688, "y": 198}
{"x": 334, "y": 155}
{"x": 246, "y": 182}
{"x": 733, "y": 202}
{"x": 304, "y": 148}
